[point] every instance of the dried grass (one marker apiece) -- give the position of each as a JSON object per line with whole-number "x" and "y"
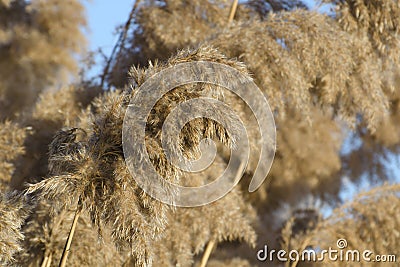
{"x": 324, "y": 76}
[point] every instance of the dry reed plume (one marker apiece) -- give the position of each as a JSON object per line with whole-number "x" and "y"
{"x": 13, "y": 211}
{"x": 332, "y": 81}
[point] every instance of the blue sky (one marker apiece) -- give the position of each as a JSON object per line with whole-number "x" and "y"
{"x": 103, "y": 17}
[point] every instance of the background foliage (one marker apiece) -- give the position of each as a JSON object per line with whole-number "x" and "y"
{"x": 332, "y": 81}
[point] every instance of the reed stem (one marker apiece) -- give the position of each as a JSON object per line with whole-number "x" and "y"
{"x": 67, "y": 247}
{"x": 207, "y": 253}
{"x": 233, "y": 10}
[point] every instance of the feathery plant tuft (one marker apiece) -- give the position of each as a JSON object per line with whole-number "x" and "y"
{"x": 12, "y": 137}
{"x": 13, "y": 211}
{"x": 90, "y": 173}
{"x": 332, "y": 81}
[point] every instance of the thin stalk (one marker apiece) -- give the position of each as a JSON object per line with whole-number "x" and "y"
{"x": 48, "y": 255}
{"x": 233, "y": 10}
{"x": 49, "y": 258}
{"x": 67, "y": 247}
{"x": 207, "y": 253}
{"x": 44, "y": 262}
{"x": 211, "y": 244}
